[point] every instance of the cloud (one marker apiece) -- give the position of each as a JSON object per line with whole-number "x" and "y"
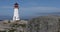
{"x": 6, "y": 7}
{"x": 32, "y": 11}
{"x": 41, "y": 9}
{"x": 35, "y": 9}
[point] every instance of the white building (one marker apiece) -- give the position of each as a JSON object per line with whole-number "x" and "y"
{"x": 16, "y": 14}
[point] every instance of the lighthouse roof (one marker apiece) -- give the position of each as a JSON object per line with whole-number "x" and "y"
{"x": 16, "y": 3}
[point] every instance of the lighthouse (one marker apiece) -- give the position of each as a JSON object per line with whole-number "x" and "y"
{"x": 16, "y": 13}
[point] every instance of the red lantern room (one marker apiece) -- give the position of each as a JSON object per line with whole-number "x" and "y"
{"x": 16, "y": 5}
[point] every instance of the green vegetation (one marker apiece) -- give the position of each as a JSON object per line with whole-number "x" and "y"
{"x": 12, "y": 30}
{"x": 15, "y": 26}
{"x": 2, "y": 31}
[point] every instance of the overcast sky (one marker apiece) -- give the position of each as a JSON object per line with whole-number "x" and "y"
{"x": 29, "y": 7}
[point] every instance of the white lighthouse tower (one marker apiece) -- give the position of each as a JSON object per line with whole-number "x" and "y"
{"x": 16, "y": 14}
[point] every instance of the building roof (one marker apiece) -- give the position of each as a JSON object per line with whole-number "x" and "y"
{"x": 16, "y": 3}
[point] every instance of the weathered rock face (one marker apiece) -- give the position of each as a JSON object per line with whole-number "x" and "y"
{"x": 18, "y": 26}
{"x": 44, "y": 24}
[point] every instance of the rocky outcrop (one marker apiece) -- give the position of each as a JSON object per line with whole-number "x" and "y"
{"x": 44, "y": 24}
{"x": 17, "y": 26}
